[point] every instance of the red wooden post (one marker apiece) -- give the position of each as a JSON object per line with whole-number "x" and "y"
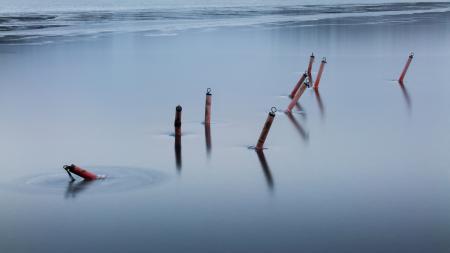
{"x": 297, "y": 86}
{"x": 208, "y": 107}
{"x": 405, "y": 69}
{"x": 297, "y": 96}
{"x": 319, "y": 75}
{"x": 266, "y": 129}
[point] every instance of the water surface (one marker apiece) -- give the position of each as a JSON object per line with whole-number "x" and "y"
{"x": 362, "y": 168}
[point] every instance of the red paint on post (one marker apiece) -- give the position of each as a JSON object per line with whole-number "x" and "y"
{"x": 208, "y": 107}
{"x": 297, "y": 86}
{"x": 266, "y": 129}
{"x": 319, "y": 75}
{"x": 297, "y": 96}
{"x": 405, "y": 69}
{"x": 81, "y": 172}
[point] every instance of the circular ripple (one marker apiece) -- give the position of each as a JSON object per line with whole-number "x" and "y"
{"x": 118, "y": 179}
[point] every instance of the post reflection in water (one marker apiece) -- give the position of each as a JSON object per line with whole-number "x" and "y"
{"x": 266, "y": 169}
{"x": 297, "y": 126}
{"x": 208, "y": 140}
{"x": 320, "y": 103}
{"x": 301, "y": 110}
{"x": 74, "y": 188}
{"x": 178, "y": 151}
{"x": 406, "y": 96}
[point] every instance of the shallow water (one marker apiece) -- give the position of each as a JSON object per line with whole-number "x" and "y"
{"x": 362, "y": 168}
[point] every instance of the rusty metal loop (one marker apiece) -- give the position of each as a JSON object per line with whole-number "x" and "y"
{"x": 273, "y": 109}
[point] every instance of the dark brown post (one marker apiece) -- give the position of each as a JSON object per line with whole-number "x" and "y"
{"x": 311, "y": 62}
{"x": 177, "y": 125}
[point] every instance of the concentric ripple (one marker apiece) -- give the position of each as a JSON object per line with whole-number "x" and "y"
{"x": 118, "y": 179}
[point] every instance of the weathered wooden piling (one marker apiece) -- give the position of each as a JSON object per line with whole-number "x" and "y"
{"x": 177, "y": 123}
{"x": 296, "y": 97}
{"x": 309, "y": 71}
{"x": 405, "y": 69}
{"x": 299, "y": 83}
{"x": 319, "y": 74}
{"x": 266, "y": 129}
{"x": 208, "y": 106}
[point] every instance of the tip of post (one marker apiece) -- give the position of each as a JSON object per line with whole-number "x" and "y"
{"x": 411, "y": 55}
{"x": 312, "y": 55}
{"x": 66, "y": 167}
{"x": 179, "y": 108}
{"x": 208, "y": 91}
{"x": 324, "y": 60}
{"x": 273, "y": 110}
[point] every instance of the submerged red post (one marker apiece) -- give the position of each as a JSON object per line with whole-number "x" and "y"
{"x": 266, "y": 129}
{"x": 80, "y": 172}
{"x": 208, "y": 106}
{"x": 297, "y": 86}
{"x": 405, "y": 69}
{"x": 319, "y": 74}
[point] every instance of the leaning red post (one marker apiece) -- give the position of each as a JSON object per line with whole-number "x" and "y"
{"x": 405, "y": 69}
{"x": 299, "y": 83}
{"x": 266, "y": 129}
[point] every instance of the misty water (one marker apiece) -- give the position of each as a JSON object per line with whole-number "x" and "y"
{"x": 360, "y": 166}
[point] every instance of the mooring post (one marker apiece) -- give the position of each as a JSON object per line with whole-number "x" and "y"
{"x": 266, "y": 129}
{"x": 299, "y": 83}
{"x": 405, "y": 69}
{"x": 208, "y": 106}
{"x": 319, "y": 75}
{"x": 297, "y": 96}
{"x": 311, "y": 62}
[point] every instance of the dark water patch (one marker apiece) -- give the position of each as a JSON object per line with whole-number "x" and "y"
{"x": 28, "y": 27}
{"x": 26, "y": 17}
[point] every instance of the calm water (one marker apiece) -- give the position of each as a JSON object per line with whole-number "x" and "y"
{"x": 362, "y": 168}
